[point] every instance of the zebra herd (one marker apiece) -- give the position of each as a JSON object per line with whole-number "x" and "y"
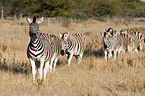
{"x": 46, "y": 48}
{"x": 117, "y": 42}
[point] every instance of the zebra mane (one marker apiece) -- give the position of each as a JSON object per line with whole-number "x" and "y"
{"x": 34, "y": 19}
{"x": 109, "y": 30}
{"x": 63, "y": 36}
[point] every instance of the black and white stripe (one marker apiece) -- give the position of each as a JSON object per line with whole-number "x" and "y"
{"x": 111, "y": 44}
{"x": 42, "y": 47}
{"x": 72, "y": 45}
{"x": 116, "y": 43}
{"x": 137, "y": 39}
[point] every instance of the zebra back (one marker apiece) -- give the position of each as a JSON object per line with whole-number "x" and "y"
{"x": 75, "y": 43}
{"x": 57, "y": 44}
{"x": 53, "y": 42}
{"x": 127, "y": 41}
{"x": 79, "y": 40}
{"x": 137, "y": 38}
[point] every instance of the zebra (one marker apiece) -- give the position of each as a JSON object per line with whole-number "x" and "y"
{"x": 42, "y": 47}
{"x": 115, "y": 43}
{"x": 108, "y": 41}
{"x": 127, "y": 41}
{"x": 137, "y": 39}
{"x": 72, "y": 45}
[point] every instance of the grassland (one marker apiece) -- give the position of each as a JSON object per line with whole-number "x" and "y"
{"x": 93, "y": 77}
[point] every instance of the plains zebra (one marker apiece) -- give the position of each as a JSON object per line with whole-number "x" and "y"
{"x": 114, "y": 44}
{"x": 127, "y": 41}
{"x": 42, "y": 47}
{"x": 108, "y": 42}
{"x": 137, "y": 39}
{"x": 73, "y": 45}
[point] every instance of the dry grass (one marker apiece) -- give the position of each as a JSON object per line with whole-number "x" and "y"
{"x": 93, "y": 77}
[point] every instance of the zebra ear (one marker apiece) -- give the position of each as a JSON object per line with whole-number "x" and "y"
{"x": 40, "y": 20}
{"x": 68, "y": 34}
{"x": 28, "y": 20}
{"x": 60, "y": 35}
{"x": 102, "y": 34}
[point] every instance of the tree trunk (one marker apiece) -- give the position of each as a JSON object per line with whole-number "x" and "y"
{"x": 48, "y": 20}
{"x": 20, "y": 16}
{"x": 2, "y": 15}
{"x": 15, "y": 16}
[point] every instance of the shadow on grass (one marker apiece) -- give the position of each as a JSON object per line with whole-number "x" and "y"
{"x": 96, "y": 53}
{"x": 25, "y": 68}
{"x": 19, "y": 67}
{"x": 15, "y": 68}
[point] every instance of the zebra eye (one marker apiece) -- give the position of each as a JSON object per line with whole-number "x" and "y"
{"x": 65, "y": 42}
{"x": 65, "y": 35}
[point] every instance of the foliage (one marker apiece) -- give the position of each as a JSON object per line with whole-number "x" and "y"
{"x": 78, "y": 9}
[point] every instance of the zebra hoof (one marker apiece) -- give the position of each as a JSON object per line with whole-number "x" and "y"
{"x": 40, "y": 82}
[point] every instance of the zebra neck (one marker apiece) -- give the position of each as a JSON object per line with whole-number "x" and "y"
{"x": 70, "y": 45}
{"x": 35, "y": 43}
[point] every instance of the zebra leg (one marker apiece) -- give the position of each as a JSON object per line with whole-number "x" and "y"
{"x": 79, "y": 57}
{"x": 110, "y": 53}
{"x": 40, "y": 70}
{"x": 115, "y": 52}
{"x": 105, "y": 52}
{"x": 46, "y": 69}
{"x": 140, "y": 47}
{"x": 129, "y": 49}
{"x": 120, "y": 50}
{"x": 69, "y": 58}
{"x": 55, "y": 61}
{"x": 136, "y": 50}
{"x": 33, "y": 68}
{"x": 51, "y": 62}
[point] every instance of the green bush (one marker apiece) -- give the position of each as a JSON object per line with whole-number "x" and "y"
{"x": 78, "y": 9}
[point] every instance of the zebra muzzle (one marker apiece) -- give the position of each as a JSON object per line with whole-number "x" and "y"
{"x": 62, "y": 52}
{"x": 32, "y": 34}
{"x": 105, "y": 46}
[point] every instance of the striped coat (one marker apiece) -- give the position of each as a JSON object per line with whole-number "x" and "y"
{"x": 116, "y": 43}
{"x": 42, "y": 47}
{"x": 73, "y": 45}
{"x": 137, "y": 39}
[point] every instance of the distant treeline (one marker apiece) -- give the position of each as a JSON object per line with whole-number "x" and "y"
{"x": 78, "y": 9}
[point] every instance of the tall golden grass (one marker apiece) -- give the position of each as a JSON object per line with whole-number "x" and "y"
{"x": 93, "y": 77}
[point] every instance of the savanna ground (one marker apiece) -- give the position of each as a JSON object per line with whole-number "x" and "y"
{"x": 93, "y": 77}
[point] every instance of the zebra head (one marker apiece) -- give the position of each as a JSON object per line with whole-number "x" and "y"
{"x": 105, "y": 34}
{"x": 34, "y": 28}
{"x": 64, "y": 42}
{"x": 106, "y": 40}
{"x": 110, "y": 31}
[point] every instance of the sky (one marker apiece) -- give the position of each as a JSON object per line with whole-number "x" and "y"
{"x": 142, "y": 0}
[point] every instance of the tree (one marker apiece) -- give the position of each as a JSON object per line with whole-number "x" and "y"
{"x": 3, "y": 5}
